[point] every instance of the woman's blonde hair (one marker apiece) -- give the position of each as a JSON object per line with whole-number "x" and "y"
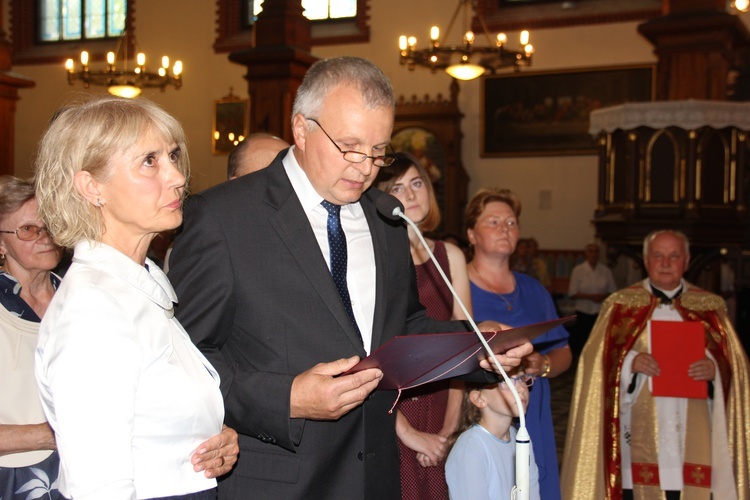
{"x": 388, "y": 176}
{"x": 83, "y": 137}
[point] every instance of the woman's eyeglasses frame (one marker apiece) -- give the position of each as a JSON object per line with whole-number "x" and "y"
{"x": 28, "y": 232}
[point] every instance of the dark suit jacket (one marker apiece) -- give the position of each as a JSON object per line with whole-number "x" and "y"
{"x": 257, "y": 298}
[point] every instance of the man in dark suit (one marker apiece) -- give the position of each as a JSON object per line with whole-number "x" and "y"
{"x": 252, "y": 268}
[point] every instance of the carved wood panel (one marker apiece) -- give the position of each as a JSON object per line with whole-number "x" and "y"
{"x": 440, "y": 119}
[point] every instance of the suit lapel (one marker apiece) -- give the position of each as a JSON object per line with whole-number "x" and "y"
{"x": 293, "y": 228}
{"x": 377, "y": 231}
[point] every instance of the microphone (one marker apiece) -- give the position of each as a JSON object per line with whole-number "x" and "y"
{"x": 391, "y": 208}
{"x": 388, "y": 205}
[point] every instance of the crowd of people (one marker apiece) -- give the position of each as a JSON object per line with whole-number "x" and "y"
{"x": 235, "y": 376}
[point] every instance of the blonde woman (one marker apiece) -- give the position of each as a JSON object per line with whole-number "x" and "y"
{"x": 130, "y": 398}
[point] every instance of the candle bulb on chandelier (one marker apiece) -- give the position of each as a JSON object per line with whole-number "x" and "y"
{"x": 402, "y": 43}
{"x": 469, "y": 38}
{"x": 434, "y": 34}
{"x": 524, "y": 37}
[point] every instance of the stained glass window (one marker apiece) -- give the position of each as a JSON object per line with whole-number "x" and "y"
{"x": 64, "y": 20}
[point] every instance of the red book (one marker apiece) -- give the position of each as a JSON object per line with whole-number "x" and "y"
{"x": 675, "y": 345}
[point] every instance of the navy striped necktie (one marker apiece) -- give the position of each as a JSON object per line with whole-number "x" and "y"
{"x": 338, "y": 254}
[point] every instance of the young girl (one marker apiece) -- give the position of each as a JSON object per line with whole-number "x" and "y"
{"x": 482, "y": 462}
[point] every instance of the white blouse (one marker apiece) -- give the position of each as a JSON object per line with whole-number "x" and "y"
{"x": 127, "y": 393}
{"x": 19, "y": 398}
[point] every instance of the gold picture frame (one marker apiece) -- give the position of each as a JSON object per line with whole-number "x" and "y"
{"x": 547, "y": 112}
{"x": 230, "y": 125}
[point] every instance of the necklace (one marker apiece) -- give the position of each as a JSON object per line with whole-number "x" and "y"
{"x": 512, "y": 298}
{"x": 509, "y": 302}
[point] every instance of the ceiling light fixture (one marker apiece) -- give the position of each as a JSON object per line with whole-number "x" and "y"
{"x": 124, "y": 82}
{"x": 466, "y": 61}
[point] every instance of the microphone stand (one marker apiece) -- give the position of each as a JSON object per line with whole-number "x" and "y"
{"x": 523, "y": 442}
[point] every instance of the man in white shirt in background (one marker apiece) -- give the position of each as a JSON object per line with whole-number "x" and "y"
{"x": 590, "y": 283}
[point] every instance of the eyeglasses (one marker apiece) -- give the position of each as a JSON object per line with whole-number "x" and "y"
{"x": 526, "y": 379}
{"x": 415, "y": 185}
{"x": 28, "y": 233}
{"x": 356, "y": 156}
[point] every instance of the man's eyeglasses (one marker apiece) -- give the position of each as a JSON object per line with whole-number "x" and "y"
{"x": 525, "y": 378}
{"x": 356, "y": 156}
{"x": 28, "y": 233}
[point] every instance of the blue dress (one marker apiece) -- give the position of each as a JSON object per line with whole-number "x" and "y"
{"x": 530, "y": 303}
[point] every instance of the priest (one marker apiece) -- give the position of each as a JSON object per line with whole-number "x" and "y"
{"x": 624, "y": 443}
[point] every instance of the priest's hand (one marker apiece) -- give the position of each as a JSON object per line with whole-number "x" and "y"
{"x": 702, "y": 370}
{"x": 646, "y": 364}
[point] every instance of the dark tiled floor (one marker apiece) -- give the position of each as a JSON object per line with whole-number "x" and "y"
{"x": 561, "y": 390}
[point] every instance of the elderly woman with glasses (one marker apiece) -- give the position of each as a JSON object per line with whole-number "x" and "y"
{"x": 136, "y": 408}
{"x": 28, "y": 460}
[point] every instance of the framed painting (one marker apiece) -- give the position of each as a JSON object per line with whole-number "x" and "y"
{"x": 230, "y": 123}
{"x": 547, "y": 113}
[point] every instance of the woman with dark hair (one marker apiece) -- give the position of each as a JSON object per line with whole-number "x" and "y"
{"x": 516, "y": 299}
{"x": 427, "y": 416}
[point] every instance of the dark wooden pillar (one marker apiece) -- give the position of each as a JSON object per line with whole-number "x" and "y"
{"x": 697, "y": 43}
{"x": 276, "y": 65}
{"x": 9, "y": 85}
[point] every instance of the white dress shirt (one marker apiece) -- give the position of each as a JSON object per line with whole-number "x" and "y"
{"x": 361, "y": 273}
{"x": 583, "y": 279}
{"x": 127, "y": 393}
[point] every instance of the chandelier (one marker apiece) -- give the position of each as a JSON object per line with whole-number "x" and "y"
{"x": 472, "y": 60}
{"x": 122, "y": 81}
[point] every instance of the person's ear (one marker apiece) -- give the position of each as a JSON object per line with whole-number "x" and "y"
{"x": 3, "y": 248}
{"x": 470, "y": 236}
{"x": 477, "y": 399}
{"x": 87, "y": 187}
{"x": 300, "y": 131}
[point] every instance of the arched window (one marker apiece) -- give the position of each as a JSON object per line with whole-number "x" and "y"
{"x": 62, "y": 20}
{"x": 48, "y": 31}
{"x": 334, "y": 22}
